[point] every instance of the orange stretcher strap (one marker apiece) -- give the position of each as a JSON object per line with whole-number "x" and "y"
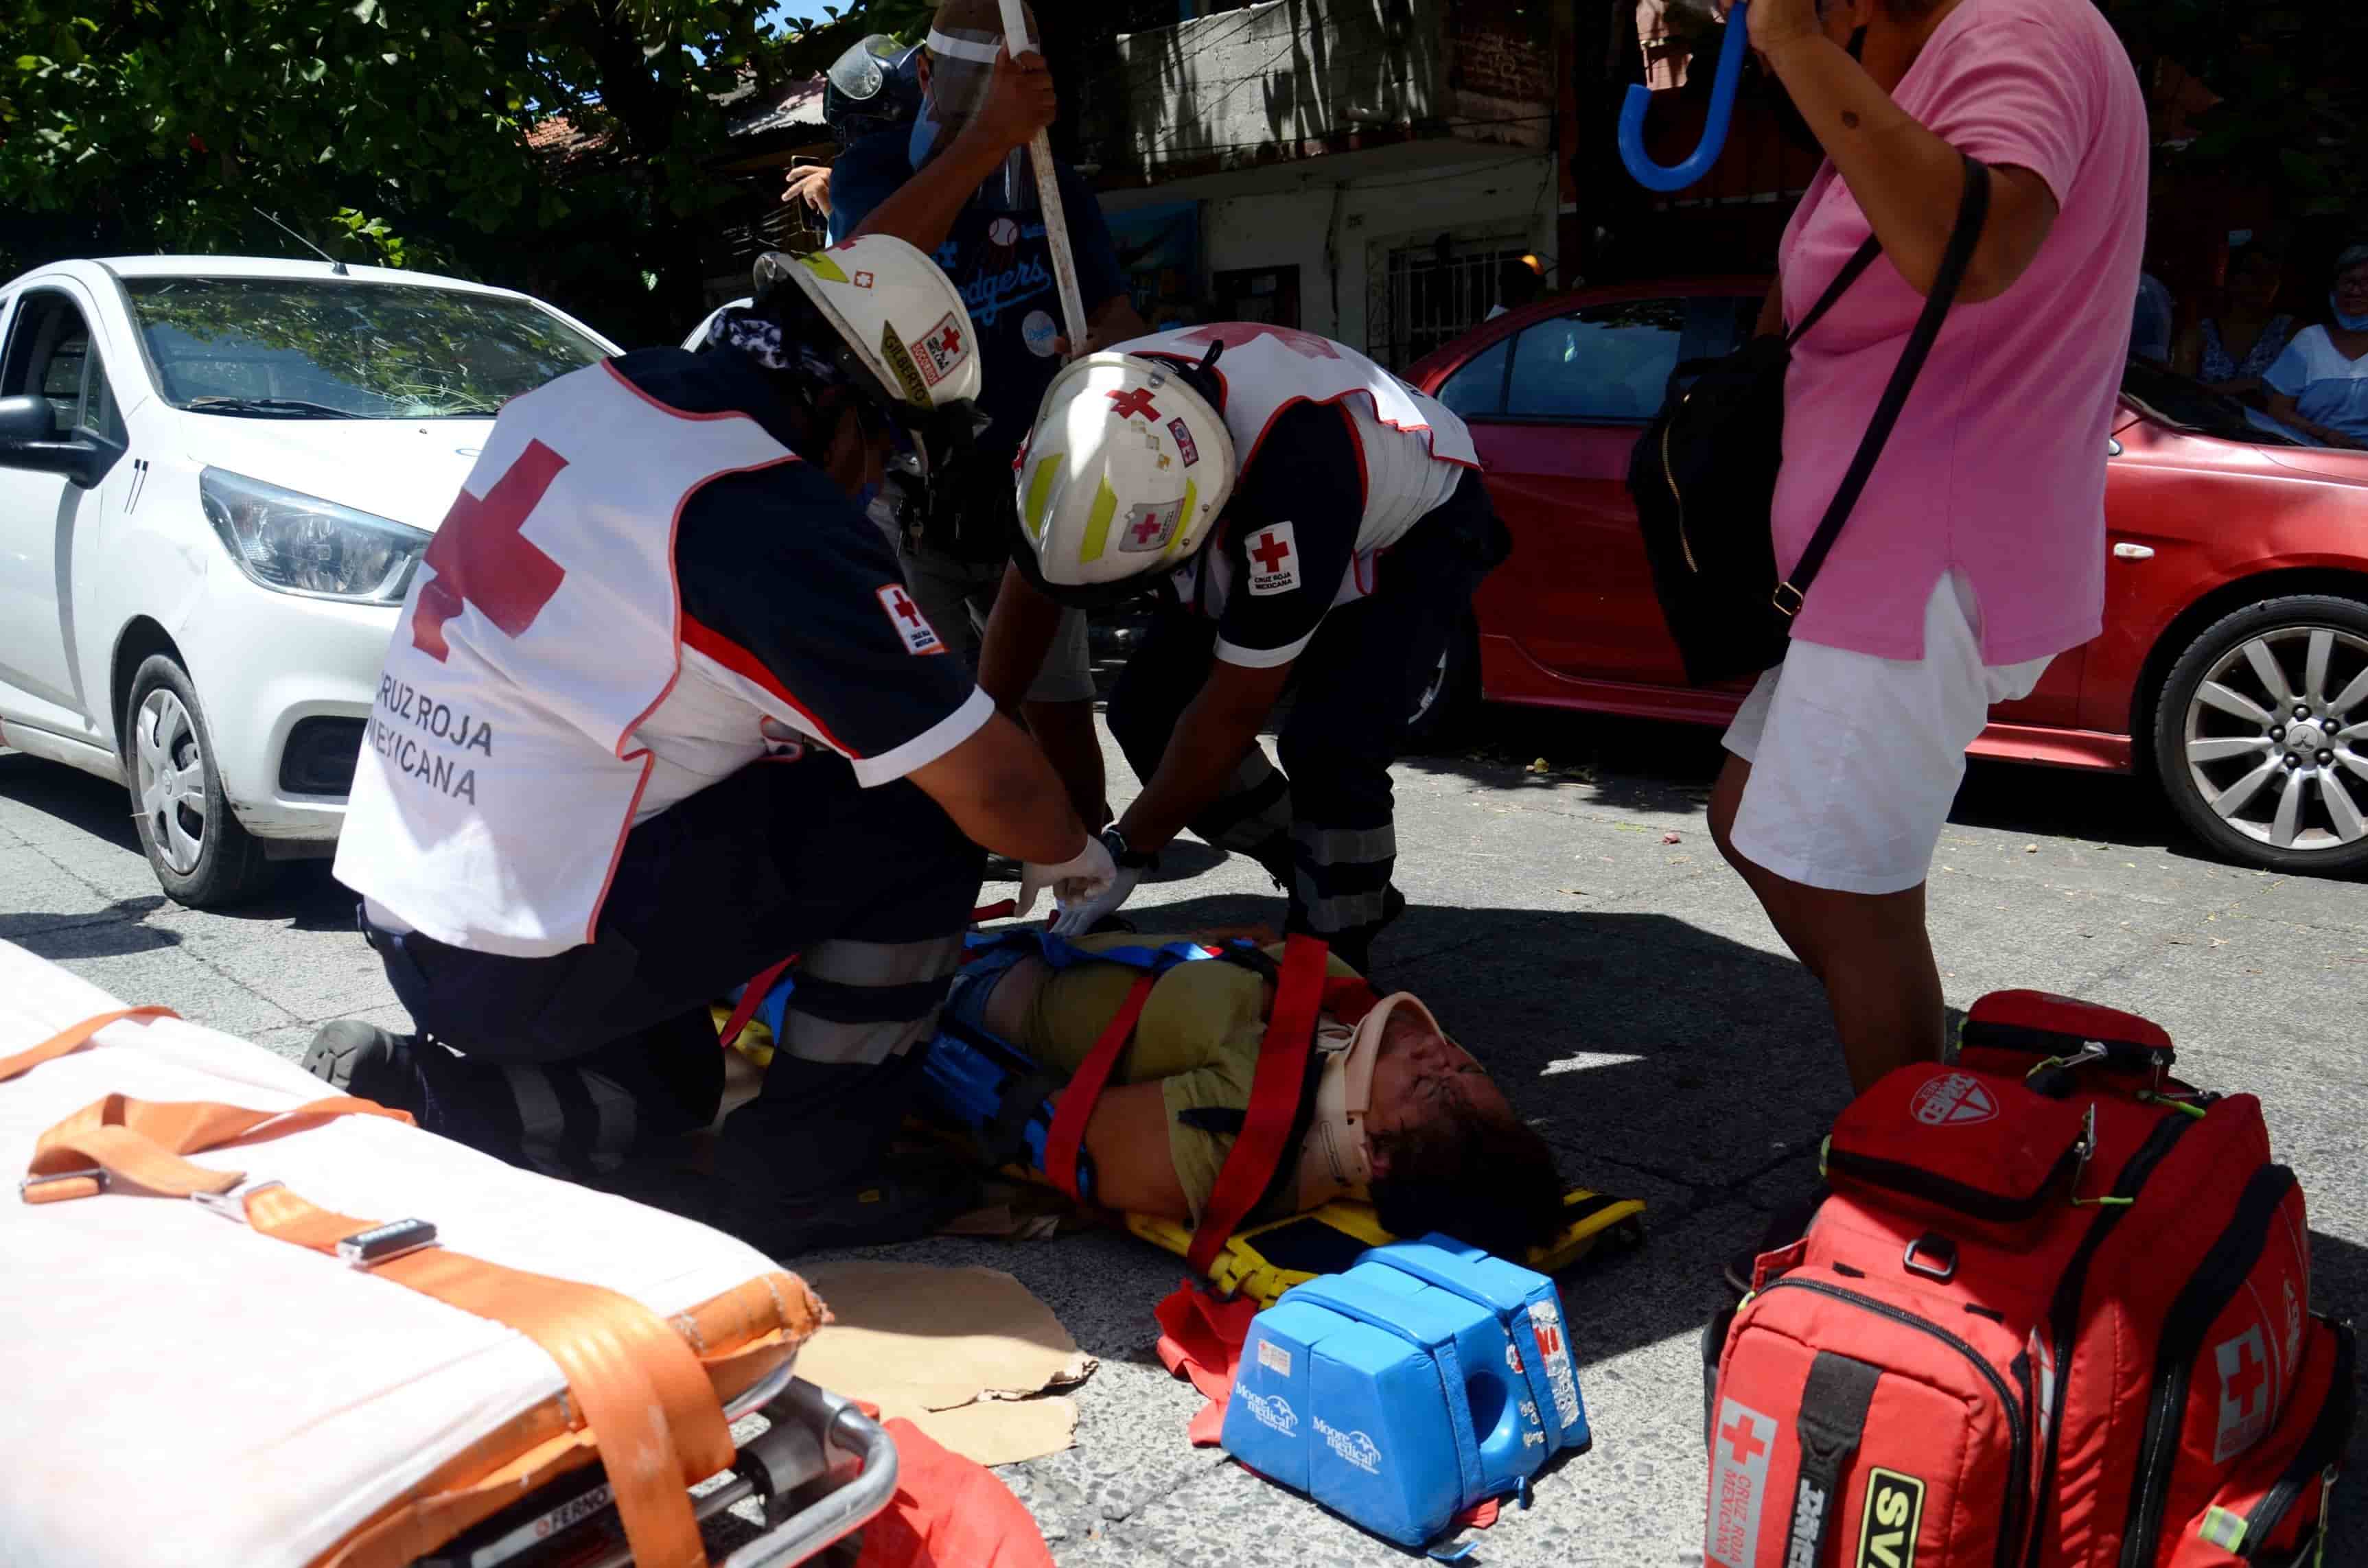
{"x": 1065, "y": 1141}
{"x": 1263, "y": 1143}
{"x": 67, "y": 1040}
{"x": 647, "y": 1401}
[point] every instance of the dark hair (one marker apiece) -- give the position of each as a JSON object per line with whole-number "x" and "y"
{"x": 1487, "y": 1180}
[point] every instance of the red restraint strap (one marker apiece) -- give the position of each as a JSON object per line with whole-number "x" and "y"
{"x": 1263, "y": 1143}
{"x": 1066, "y": 1140}
{"x": 752, "y": 996}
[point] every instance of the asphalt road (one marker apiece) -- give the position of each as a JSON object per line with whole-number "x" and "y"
{"x": 1624, "y": 985}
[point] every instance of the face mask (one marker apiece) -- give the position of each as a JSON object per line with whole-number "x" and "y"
{"x": 2348, "y": 323}
{"x": 924, "y": 138}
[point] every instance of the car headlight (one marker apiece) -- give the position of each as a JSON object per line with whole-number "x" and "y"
{"x": 301, "y": 544}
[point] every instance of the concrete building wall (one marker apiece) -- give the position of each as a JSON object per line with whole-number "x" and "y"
{"x": 1339, "y": 218}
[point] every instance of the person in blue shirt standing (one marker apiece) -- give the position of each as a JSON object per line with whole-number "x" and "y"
{"x": 957, "y": 183}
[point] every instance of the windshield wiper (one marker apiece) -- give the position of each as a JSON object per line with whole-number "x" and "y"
{"x": 275, "y": 407}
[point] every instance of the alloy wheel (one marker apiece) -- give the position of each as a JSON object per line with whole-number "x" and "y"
{"x": 2274, "y": 735}
{"x": 171, "y": 780}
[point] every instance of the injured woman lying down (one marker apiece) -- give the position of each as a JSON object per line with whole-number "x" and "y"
{"x": 1391, "y": 1109}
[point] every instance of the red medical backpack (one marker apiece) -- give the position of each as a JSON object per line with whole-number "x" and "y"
{"x": 2055, "y": 1313}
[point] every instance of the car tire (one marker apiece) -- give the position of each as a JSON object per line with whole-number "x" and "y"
{"x": 200, "y": 853}
{"x": 2260, "y": 734}
{"x": 1443, "y": 703}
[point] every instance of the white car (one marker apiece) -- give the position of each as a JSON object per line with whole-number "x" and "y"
{"x": 216, "y": 474}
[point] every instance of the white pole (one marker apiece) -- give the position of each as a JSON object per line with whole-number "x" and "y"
{"x": 1048, "y": 195}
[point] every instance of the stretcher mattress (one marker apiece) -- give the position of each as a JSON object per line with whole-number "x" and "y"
{"x": 182, "y": 1389}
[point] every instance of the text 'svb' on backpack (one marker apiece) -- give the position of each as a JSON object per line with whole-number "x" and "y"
{"x": 2055, "y": 1313}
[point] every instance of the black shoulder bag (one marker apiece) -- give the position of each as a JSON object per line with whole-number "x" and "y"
{"x": 1704, "y": 474}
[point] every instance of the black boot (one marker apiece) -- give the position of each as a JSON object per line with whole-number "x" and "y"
{"x": 368, "y": 1063}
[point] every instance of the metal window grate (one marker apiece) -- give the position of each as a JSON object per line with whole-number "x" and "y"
{"x": 1431, "y": 294}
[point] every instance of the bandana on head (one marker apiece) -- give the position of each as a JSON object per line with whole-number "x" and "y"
{"x": 761, "y": 339}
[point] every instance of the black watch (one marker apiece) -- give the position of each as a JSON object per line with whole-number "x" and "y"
{"x": 1126, "y": 857}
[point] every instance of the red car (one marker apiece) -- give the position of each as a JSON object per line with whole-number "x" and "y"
{"x": 2232, "y": 670}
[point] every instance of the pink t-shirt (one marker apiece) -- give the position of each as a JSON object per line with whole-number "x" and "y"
{"x": 1998, "y": 465}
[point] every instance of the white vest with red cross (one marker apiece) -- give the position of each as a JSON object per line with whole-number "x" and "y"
{"x": 1413, "y": 450}
{"x": 499, "y": 774}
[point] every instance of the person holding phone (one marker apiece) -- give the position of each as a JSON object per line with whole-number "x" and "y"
{"x": 1976, "y": 553}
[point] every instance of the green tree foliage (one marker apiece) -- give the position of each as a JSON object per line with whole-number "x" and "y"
{"x": 2293, "y": 78}
{"x": 394, "y": 131}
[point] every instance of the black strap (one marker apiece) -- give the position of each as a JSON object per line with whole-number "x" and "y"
{"x": 1973, "y": 214}
{"x": 1833, "y": 1419}
{"x": 1852, "y": 270}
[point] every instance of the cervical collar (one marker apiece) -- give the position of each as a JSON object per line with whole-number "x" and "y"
{"x": 1335, "y": 1160}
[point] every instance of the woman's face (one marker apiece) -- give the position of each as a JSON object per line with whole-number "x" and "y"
{"x": 2254, "y": 282}
{"x": 1419, "y": 1077}
{"x": 2351, "y": 290}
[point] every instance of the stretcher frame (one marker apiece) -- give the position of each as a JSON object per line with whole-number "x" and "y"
{"x": 822, "y": 1470}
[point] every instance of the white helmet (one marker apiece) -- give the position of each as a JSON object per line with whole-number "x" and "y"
{"x": 1123, "y": 473}
{"x": 897, "y": 311}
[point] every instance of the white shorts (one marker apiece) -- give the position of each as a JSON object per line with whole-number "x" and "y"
{"x": 1855, "y": 760}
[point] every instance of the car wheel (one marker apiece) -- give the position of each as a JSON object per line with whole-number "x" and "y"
{"x": 1445, "y": 698}
{"x": 201, "y": 854}
{"x": 2261, "y": 734}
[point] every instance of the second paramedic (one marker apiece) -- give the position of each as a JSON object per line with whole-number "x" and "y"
{"x": 1319, "y": 526}
{"x": 659, "y": 713}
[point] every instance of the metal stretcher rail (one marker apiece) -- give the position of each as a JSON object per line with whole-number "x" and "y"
{"x": 821, "y": 1468}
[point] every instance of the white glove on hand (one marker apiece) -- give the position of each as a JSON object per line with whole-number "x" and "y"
{"x": 1088, "y": 872}
{"x": 1082, "y": 907}
{"x": 1080, "y": 913}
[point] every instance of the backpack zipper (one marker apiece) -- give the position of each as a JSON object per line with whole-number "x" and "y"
{"x": 2207, "y": 1292}
{"x": 2063, "y": 1312}
{"x": 1670, "y": 477}
{"x": 2321, "y": 1451}
{"x": 2020, "y": 1458}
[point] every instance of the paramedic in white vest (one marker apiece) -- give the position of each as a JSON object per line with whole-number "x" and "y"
{"x": 657, "y": 714}
{"x": 1314, "y": 523}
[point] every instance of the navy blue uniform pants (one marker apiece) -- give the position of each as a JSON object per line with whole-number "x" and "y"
{"x": 574, "y": 1062}
{"x": 1323, "y": 823}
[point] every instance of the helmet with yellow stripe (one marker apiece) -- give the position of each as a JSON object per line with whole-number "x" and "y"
{"x": 894, "y": 309}
{"x": 1122, "y": 475}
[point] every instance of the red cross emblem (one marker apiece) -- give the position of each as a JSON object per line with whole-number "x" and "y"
{"x": 1744, "y": 1438}
{"x": 2246, "y": 1379}
{"x": 1306, "y": 345}
{"x": 903, "y": 607}
{"x": 480, "y": 557}
{"x": 1271, "y": 551}
{"x": 949, "y": 342}
{"x": 1148, "y": 528}
{"x": 1134, "y": 403}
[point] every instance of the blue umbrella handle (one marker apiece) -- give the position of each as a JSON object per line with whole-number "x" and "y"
{"x": 1676, "y": 176}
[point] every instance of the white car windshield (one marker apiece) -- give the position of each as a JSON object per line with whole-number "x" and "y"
{"x": 328, "y": 349}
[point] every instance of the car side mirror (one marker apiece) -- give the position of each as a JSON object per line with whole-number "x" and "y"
{"x": 30, "y": 439}
{"x": 26, "y": 418}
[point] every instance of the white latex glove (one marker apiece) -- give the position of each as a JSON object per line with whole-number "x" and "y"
{"x": 1088, "y": 872}
{"x": 1081, "y": 912}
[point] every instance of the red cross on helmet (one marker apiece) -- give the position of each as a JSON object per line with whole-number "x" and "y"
{"x": 1123, "y": 474}
{"x": 897, "y": 310}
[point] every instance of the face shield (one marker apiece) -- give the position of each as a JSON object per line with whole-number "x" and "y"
{"x": 961, "y": 65}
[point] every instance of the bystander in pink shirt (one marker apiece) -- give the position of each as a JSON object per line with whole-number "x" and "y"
{"x": 1998, "y": 466}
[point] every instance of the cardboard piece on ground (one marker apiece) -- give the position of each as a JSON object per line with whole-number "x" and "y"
{"x": 961, "y": 1352}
